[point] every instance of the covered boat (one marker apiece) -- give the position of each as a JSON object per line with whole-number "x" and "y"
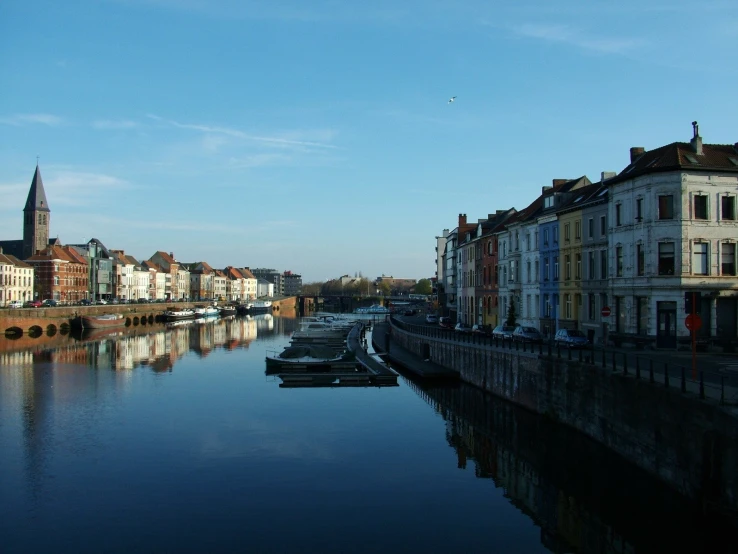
{"x": 312, "y": 357}
{"x": 104, "y": 321}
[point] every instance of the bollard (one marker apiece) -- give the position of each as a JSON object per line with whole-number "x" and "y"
{"x": 549, "y": 350}
{"x": 568, "y": 355}
{"x": 614, "y": 365}
{"x": 702, "y": 385}
{"x": 650, "y": 371}
{"x": 558, "y": 351}
{"x": 684, "y": 380}
{"x": 625, "y": 363}
{"x": 638, "y": 367}
{"x": 722, "y": 390}
{"x": 666, "y": 375}
{"x": 580, "y": 355}
{"x": 604, "y": 359}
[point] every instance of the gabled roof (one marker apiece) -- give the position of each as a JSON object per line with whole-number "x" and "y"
{"x": 151, "y": 265}
{"x": 130, "y": 260}
{"x": 62, "y": 253}
{"x": 12, "y": 260}
{"x": 681, "y": 156}
{"x": 246, "y": 272}
{"x": 166, "y": 257}
{"x": 74, "y": 256}
{"x": 36, "y": 200}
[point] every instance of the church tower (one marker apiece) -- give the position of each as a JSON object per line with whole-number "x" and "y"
{"x": 36, "y": 218}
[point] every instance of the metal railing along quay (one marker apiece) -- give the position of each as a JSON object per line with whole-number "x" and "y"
{"x": 656, "y": 368}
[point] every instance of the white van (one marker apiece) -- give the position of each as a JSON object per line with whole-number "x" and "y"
{"x": 15, "y": 304}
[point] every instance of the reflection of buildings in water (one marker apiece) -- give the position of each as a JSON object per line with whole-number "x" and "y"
{"x": 264, "y": 322}
{"x": 159, "y": 348}
{"x": 584, "y": 497}
{"x": 18, "y": 359}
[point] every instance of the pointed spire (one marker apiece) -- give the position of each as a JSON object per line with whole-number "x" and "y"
{"x": 36, "y": 200}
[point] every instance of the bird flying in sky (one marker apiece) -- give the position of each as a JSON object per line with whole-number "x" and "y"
{"x": 451, "y": 99}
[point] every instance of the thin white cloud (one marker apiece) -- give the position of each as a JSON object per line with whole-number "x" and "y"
{"x": 32, "y": 118}
{"x": 290, "y": 139}
{"x": 564, "y": 34}
{"x": 79, "y": 188}
{"x": 114, "y": 124}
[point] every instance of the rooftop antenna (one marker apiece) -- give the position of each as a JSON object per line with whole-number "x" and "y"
{"x": 695, "y": 129}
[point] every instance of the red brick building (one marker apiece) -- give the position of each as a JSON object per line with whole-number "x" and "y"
{"x": 60, "y": 273}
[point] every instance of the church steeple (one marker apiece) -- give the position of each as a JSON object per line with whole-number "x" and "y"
{"x": 37, "y": 195}
{"x": 36, "y": 218}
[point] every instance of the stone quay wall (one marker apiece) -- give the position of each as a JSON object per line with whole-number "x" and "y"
{"x": 689, "y": 443}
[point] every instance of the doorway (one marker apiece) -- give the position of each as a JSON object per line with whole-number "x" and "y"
{"x": 666, "y": 325}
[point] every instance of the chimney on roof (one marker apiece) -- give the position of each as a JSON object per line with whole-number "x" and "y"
{"x": 636, "y": 152}
{"x": 462, "y": 220}
{"x": 696, "y": 141}
{"x": 171, "y": 255}
{"x": 605, "y": 175}
{"x": 557, "y": 182}
{"x": 545, "y": 189}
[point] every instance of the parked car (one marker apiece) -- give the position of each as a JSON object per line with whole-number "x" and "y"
{"x": 431, "y": 318}
{"x": 32, "y": 304}
{"x": 524, "y": 333}
{"x": 570, "y": 338}
{"x": 85, "y": 302}
{"x": 462, "y": 328}
{"x": 15, "y": 304}
{"x": 445, "y": 322}
{"x": 480, "y": 330}
{"x": 50, "y": 302}
{"x": 142, "y": 301}
{"x": 503, "y": 332}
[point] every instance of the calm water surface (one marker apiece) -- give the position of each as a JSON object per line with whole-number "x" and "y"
{"x": 174, "y": 440}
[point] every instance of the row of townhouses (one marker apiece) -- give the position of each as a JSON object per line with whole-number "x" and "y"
{"x": 620, "y": 259}
{"x": 37, "y": 268}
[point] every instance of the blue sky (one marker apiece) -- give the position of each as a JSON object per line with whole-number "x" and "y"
{"x": 316, "y": 136}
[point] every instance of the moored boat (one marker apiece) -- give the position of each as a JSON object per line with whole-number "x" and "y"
{"x": 227, "y": 310}
{"x": 103, "y": 321}
{"x": 259, "y": 306}
{"x": 309, "y": 358}
{"x": 175, "y": 314}
{"x": 207, "y": 311}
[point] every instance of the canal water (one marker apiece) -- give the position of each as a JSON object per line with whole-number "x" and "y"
{"x": 173, "y": 439}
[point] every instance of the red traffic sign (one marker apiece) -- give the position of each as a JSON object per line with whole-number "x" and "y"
{"x": 693, "y": 322}
{"x": 606, "y": 311}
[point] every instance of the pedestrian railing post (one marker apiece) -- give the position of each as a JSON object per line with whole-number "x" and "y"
{"x": 684, "y": 380}
{"x": 638, "y": 367}
{"x": 702, "y": 384}
{"x": 650, "y": 371}
{"x": 666, "y": 375}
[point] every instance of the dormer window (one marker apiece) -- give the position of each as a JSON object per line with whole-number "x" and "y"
{"x": 548, "y": 202}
